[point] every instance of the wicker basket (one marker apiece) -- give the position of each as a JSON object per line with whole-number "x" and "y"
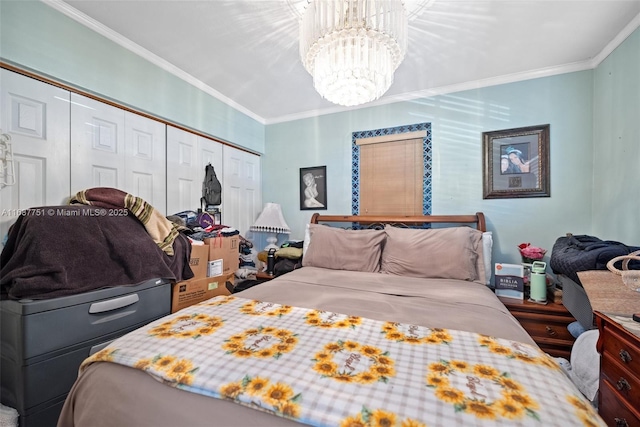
{"x": 631, "y": 278}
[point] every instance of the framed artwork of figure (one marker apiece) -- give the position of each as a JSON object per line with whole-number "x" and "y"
{"x": 313, "y": 188}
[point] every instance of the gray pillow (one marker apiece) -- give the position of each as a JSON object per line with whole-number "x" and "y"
{"x": 447, "y": 253}
{"x": 339, "y": 249}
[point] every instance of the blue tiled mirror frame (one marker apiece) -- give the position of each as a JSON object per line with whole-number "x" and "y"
{"x": 426, "y": 154}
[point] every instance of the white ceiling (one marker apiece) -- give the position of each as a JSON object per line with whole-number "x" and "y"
{"x": 245, "y": 52}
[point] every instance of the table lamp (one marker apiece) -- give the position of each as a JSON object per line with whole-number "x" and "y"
{"x": 271, "y": 221}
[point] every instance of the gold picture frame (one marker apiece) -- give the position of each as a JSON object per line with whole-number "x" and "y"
{"x": 516, "y": 163}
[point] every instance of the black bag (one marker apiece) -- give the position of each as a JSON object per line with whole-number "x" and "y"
{"x": 211, "y": 188}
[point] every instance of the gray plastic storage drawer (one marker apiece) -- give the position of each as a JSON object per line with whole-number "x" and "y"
{"x": 48, "y": 378}
{"x": 33, "y": 327}
{"x": 45, "y": 341}
{"x": 44, "y": 415}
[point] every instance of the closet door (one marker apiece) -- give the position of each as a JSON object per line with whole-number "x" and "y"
{"x": 187, "y": 156}
{"x": 145, "y": 160}
{"x": 241, "y": 189}
{"x": 36, "y": 117}
{"x": 112, "y": 147}
{"x": 97, "y": 144}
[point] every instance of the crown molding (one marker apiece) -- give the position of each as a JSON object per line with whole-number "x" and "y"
{"x": 115, "y": 37}
{"x": 617, "y": 41}
{"x": 479, "y": 84}
{"x": 444, "y": 90}
{"x": 94, "y": 25}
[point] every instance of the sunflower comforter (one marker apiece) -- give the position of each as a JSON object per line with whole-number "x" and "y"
{"x": 332, "y": 369}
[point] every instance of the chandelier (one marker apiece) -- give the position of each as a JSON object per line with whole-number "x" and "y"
{"x": 353, "y": 47}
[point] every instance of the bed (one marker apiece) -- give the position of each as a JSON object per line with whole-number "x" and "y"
{"x": 381, "y": 326}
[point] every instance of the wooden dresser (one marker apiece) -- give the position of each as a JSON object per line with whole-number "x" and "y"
{"x": 547, "y": 325}
{"x": 619, "y": 396}
{"x": 618, "y": 345}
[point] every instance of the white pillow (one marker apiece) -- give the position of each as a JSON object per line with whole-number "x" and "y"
{"x": 307, "y": 240}
{"x": 487, "y": 246}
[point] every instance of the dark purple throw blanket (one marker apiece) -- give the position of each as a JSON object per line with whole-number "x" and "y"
{"x": 76, "y": 249}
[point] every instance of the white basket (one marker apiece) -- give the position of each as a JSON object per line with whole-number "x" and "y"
{"x": 631, "y": 278}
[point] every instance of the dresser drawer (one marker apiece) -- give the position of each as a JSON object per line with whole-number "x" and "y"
{"x": 627, "y": 384}
{"x": 546, "y": 323}
{"x": 541, "y": 326}
{"x": 613, "y": 410}
{"x": 556, "y": 350}
{"x": 620, "y": 348}
{"x": 34, "y": 328}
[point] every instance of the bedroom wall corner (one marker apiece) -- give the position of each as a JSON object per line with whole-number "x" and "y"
{"x": 616, "y": 113}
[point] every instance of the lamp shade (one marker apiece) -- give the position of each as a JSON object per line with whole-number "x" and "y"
{"x": 271, "y": 220}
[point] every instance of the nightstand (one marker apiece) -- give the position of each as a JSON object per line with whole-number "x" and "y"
{"x": 546, "y": 323}
{"x": 262, "y": 275}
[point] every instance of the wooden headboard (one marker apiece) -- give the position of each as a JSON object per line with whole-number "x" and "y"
{"x": 477, "y": 219}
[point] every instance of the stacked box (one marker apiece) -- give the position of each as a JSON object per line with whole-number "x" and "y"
{"x": 199, "y": 261}
{"x": 194, "y": 291}
{"x": 224, "y": 255}
{"x": 214, "y": 265}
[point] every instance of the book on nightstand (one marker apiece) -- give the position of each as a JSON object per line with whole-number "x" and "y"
{"x": 509, "y": 280}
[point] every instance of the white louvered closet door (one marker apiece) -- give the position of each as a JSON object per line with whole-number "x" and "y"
{"x": 241, "y": 189}
{"x": 111, "y": 147}
{"x": 36, "y": 117}
{"x": 187, "y": 156}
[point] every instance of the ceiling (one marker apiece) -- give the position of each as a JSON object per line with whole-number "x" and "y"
{"x": 245, "y": 52}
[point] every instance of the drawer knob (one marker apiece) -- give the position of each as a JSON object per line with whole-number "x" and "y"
{"x": 621, "y": 422}
{"x": 623, "y": 385}
{"x": 551, "y": 332}
{"x": 625, "y": 356}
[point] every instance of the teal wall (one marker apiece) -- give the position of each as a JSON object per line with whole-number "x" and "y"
{"x": 616, "y": 144}
{"x": 458, "y": 120}
{"x": 39, "y": 38}
{"x": 594, "y": 118}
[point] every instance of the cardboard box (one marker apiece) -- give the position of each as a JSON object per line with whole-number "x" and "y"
{"x": 224, "y": 255}
{"x": 199, "y": 261}
{"x": 193, "y": 291}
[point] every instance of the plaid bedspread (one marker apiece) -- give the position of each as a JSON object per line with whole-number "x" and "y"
{"x": 330, "y": 369}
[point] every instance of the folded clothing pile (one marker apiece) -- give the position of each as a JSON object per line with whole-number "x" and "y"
{"x": 288, "y": 257}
